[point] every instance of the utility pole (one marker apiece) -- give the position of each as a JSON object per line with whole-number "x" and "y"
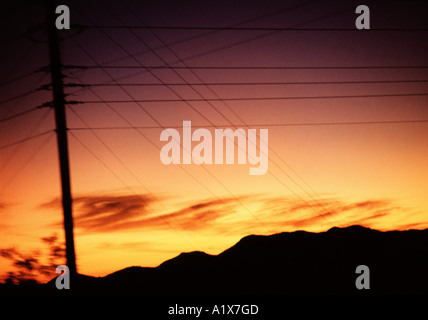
{"x": 61, "y": 130}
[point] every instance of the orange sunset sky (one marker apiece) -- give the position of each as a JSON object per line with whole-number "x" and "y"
{"x": 335, "y": 159}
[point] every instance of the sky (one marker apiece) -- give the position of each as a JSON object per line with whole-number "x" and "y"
{"x": 346, "y": 113}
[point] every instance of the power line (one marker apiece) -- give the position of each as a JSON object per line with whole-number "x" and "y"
{"x": 205, "y": 34}
{"x": 13, "y": 66}
{"x": 23, "y": 76}
{"x": 253, "y": 38}
{"x": 101, "y": 161}
{"x": 19, "y": 114}
{"x": 302, "y": 124}
{"x": 17, "y": 146}
{"x": 28, "y": 160}
{"x": 25, "y": 34}
{"x": 145, "y": 27}
{"x": 255, "y": 83}
{"x": 124, "y": 165}
{"x": 25, "y": 139}
{"x": 22, "y": 95}
{"x": 111, "y": 151}
{"x": 259, "y": 98}
{"x": 170, "y": 66}
{"x": 110, "y": 83}
{"x": 228, "y": 46}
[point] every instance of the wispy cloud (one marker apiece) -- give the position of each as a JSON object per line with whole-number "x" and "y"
{"x": 126, "y": 214}
{"x": 113, "y": 213}
{"x": 303, "y": 214}
{"x": 106, "y": 213}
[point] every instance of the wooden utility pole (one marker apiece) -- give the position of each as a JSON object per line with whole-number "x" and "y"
{"x": 61, "y": 130}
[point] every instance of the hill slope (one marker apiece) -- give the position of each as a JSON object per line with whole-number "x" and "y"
{"x": 295, "y": 263}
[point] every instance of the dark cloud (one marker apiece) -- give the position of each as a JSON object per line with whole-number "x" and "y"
{"x": 101, "y": 212}
{"x": 53, "y": 204}
{"x": 416, "y": 225}
{"x": 114, "y": 213}
{"x": 366, "y": 205}
{"x": 191, "y": 217}
{"x": 369, "y": 219}
{"x": 301, "y": 213}
{"x": 301, "y": 223}
{"x": 105, "y": 212}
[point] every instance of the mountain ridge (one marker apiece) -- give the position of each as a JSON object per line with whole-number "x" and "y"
{"x": 298, "y": 262}
{"x": 286, "y": 263}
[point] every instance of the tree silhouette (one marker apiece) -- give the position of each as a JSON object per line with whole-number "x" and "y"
{"x": 37, "y": 266}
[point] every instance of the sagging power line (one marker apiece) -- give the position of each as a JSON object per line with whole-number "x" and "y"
{"x": 421, "y": 94}
{"x": 302, "y": 124}
{"x": 224, "y": 67}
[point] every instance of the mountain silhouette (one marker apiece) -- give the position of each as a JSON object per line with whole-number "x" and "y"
{"x": 288, "y": 263}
